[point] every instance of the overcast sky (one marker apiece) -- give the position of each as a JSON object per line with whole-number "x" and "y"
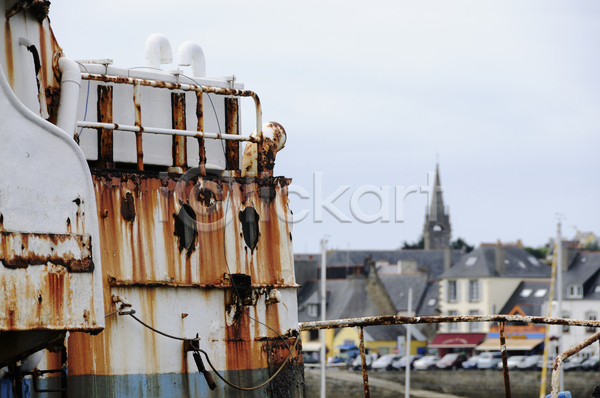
{"x": 506, "y": 93}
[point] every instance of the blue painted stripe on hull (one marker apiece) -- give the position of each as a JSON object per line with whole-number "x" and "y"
{"x": 190, "y": 385}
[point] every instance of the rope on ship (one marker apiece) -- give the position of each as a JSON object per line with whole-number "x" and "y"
{"x": 198, "y": 358}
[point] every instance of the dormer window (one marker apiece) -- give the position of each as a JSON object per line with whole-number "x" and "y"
{"x": 575, "y": 291}
{"x": 526, "y": 292}
{"x": 533, "y": 260}
{"x": 471, "y": 261}
{"x": 312, "y": 310}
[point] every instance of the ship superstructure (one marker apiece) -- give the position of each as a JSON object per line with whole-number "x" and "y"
{"x": 140, "y": 242}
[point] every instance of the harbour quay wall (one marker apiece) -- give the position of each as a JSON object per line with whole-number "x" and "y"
{"x": 468, "y": 384}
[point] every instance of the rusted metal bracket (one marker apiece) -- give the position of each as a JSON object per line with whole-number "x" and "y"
{"x": 63, "y": 381}
{"x": 40, "y": 8}
{"x": 191, "y": 345}
{"x": 20, "y": 250}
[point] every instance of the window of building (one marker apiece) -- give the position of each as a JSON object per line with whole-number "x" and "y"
{"x": 471, "y": 261}
{"x": 314, "y": 335}
{"x": 474, "y": 326}
{"x": 525, "y": 293}
{"x": 452, "y": 296}
{"x": 540, "y": 292}
{"x": 533, "y": 260}
{"x": 522, "y": 264}
{"x": 575, "y": 291}
{"x": 590, "y": 316}
{"x": 431, "y": 302}
{"x": 452, "y": 326}
{"x": 474, "y": 290}
{"x": 597, "y": 289}
{"x": 312, "y": 310}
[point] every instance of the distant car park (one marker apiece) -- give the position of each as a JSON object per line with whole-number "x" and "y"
{"x": 400, "y": 364}
{"x": 427, "y": 362}
{"x": 489, "y": 360}
{"x": 512, "y": 362}
{"x": 385, "y": 362}
{"x": 529, "y": 362}
{"x": 471, "y": 363}
{"x": 451, "y": 361}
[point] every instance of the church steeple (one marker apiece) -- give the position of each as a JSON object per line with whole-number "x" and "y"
{"x": 437, "y": 230}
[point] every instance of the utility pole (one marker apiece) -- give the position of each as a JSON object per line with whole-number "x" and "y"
{"x": 559, "y": 292}
{"x": 323, "y": 312}
{"x": 407, "y": 362}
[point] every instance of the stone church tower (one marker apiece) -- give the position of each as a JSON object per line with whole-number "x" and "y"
{"x": 437, "y": 229}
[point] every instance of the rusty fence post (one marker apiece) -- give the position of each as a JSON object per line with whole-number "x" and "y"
{"x": 105, "y": 136}
{"x": 232, "y": 127}
{"x": 560, "y": 358}
{"x": 138, "y": 122}
{"x": 178, "y": 123}
{"x": 504, "y": 360}
{"x": 200, "y": 127}
{"x": 363, "y": 361}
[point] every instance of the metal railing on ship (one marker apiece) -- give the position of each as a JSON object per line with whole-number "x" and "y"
{"x": 179, "y": 132}
{"x": 360, "y": 323}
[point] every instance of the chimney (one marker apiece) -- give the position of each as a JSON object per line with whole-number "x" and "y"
{"x": 447, "y": 258}
{"x": 568, "y": 253}
{"x": 500, "y": 258}
{"x": 379, "y": 295}
{"x": 356, "y": 282}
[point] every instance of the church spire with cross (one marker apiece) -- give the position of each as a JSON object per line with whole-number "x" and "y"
{"x": 437, "y": 230}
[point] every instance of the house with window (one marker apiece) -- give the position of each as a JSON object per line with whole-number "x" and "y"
{"x": 581, "y": 300}
{"x": 346, "y": 298}
{"x": 521, "y": 339}
{"x": 482, "y": 282}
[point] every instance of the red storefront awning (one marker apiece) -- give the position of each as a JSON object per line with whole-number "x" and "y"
{"x": 457, "y": 340}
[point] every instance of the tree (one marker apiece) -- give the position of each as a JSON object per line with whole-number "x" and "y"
{"x": 593, "y": 247}
{"x": 420, "y": 244}
{"x": 461, "y": 244}
{"x": 537, "y": 252}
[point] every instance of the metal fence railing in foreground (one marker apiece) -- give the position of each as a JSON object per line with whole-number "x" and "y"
{"x": 360, "y": 323}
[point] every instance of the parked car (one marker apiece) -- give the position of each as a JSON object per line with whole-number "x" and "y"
{"x": 352, "y": 355}
{"x": 489, "y": 360}
{"x": 311, "y": 356}
{"x": 573, "y": 363}
{"x": 549, "y": 363}
{"x": 385, "y": 362}
{"x": 427, "y": 362}
{"x": 347, "y": 355}
{"x": 451, "y": 361}
{"x": 400, "y": 364}
{"x": 357, "y": 363}
{"x": 529, "y": 362}
{"x": 512, "y": 362}
{"x": 472, "y": 362}
{"x": 591, "y": 363}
